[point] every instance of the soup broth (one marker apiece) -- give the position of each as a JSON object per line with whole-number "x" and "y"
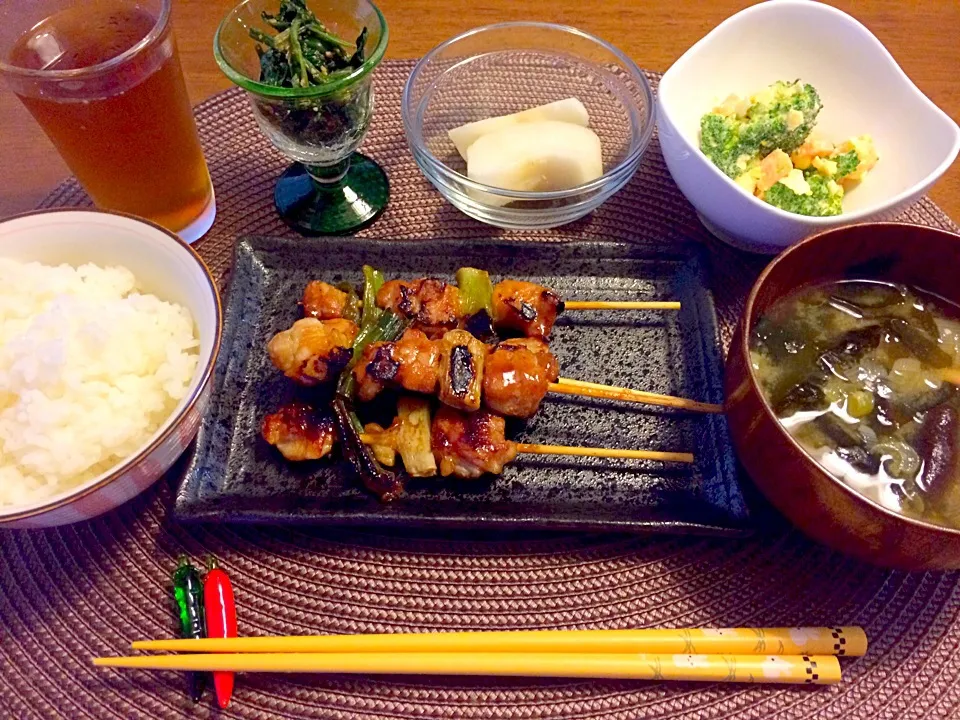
{"x": 864, "y": 375}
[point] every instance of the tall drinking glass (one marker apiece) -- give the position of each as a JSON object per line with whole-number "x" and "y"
{"x": 103, "y": 80}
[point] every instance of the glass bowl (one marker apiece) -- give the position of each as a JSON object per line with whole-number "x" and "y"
{"x": 508, "y": 67}
{"x": 330, "y": 189}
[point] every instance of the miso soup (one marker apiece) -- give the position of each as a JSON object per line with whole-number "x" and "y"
{"x": 864, "y": 375}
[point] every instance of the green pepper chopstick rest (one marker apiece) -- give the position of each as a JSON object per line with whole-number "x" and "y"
{"x": 188, "y": 592}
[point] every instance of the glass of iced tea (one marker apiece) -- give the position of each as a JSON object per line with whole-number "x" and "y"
{"x": 103, "y": 79}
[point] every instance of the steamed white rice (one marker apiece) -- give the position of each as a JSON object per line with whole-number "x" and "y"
{"x": 89, "y": 369}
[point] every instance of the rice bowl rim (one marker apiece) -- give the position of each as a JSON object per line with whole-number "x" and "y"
{"x": 170, "y": 425}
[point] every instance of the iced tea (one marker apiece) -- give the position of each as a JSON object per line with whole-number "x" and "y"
{"x": 123, "y": 125}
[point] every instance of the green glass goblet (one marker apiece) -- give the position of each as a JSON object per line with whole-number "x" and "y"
{"x": 331, "y": 189}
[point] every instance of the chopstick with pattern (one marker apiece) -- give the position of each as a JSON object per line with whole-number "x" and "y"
{"x": 850, "y": 641}
{"x": 786, "y": 669}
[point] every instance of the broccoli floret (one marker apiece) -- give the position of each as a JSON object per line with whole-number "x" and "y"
{"x": 737, "y": 142}
{"x": 774, "y": 112}
{"x": 825, "y": 197}
{"x": 846, "y": 163}
{"x": 720, "y": 141}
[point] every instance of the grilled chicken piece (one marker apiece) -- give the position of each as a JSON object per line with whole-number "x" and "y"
{"x": 313, "y": 351}
{"x": 412, "y": 363}
{"x": 461, "y": 370}
{"x": 432, "y": 304}
{"x": 539, "y": 348}
{"x": 525, "y": 307}
{"x": 516, "y": 376}
{"x": 374, "y": 370}
{"x": 323, "y": 301}
{"x": 511, "y": 379}
{"x": 468, "y": 445}
{"x": 299, "y": 432}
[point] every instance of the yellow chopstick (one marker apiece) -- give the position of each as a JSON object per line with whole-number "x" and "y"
{"x": 850, "y": 641}
{"x": 793, "y": 669}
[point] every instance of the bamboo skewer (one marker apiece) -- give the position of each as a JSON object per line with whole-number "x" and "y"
{"x": 534, "y": 449}
{"x": 567, "y": 386}
{"x": 951, "y": 375}
{"x": 620, "y": 305}
{"x": 792, "y": 669}
{"x": 614, "y": 305}
{"x": 850, "y": 641}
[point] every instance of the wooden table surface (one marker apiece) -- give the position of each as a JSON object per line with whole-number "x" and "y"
{"x": 921, "y": 35}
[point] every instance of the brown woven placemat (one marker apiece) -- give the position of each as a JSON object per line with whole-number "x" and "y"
{"x": 89, "y": 589}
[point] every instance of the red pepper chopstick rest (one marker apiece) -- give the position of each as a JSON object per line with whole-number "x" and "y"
{"x": 221, "y": 616}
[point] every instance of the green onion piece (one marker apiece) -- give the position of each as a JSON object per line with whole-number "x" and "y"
{"x": 351, "y": 310}
{"x": 385, "y": 483}
{"x": 413, "y": 441}
{"x": 476, "y": 291}
{"x": 372, "y": 282}
{"x": 347, "y": 383}
{"x": 388, "y": 328}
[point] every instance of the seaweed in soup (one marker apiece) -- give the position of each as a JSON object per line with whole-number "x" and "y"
{"x": 857, "y": 371}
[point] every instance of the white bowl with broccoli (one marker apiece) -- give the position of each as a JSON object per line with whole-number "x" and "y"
{"x": 772, "y": 126}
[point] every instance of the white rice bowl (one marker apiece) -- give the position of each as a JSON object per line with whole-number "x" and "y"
{"x": 89, "y": 370}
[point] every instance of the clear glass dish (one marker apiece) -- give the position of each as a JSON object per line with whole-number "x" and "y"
{"x": 508, "y": 67}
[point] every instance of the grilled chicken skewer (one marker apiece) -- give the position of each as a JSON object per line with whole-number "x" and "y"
{"x": 519, "y": 371}
{"x": 454, "y": 443}
{"x": 435, "y": 306}
{"x": 468, "y": 445}
{"x": 510, "y": 378}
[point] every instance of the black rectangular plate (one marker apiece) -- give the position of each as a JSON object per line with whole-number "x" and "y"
{"x": 235, "y": 476}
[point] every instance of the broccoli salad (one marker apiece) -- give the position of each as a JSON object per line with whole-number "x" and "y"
{"x": 764, "y": 144}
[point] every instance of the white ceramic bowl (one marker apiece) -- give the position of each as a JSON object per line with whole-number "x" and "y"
{"x": 863, "y": 91}
{"x": 163, "y": 265}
